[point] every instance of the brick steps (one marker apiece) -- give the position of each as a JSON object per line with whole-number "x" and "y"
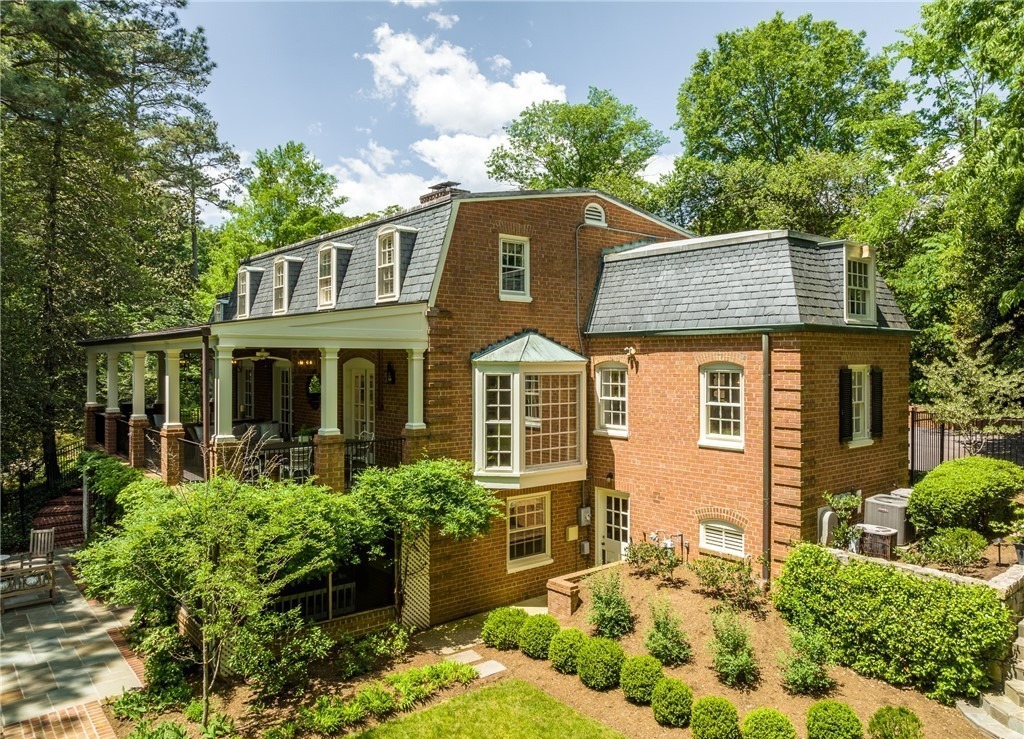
{"x": 64, "y": 516}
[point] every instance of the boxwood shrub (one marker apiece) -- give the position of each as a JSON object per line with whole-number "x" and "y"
{"x": 564, "y": 650}
{"x": 713, "y": 717}
{"x": 672, "y": 702}
{"x": 930, "y": 633}
{"x": 895, "y": 722}
{"x": 767, "y": 723}
{"x": 967, "y": 493}
{"x": 536, "y": 633}
{"x": 833, "y": 720}
{"x": 599, "y": 663}
{"x": 501, "y": 627}
{"x": 638, "y": 677}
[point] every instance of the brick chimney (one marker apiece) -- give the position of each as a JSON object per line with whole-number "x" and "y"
{"x": 440, "y": 191}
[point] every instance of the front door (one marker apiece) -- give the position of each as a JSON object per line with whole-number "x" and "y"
{"x": 613, "y": 525}
{"x": 360, "y": 401}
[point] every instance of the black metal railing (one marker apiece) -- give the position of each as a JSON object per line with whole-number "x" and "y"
{"x": 33, "y": 487}
{"x": 99, "y": 424}
{"x": 289, "y": 460}
{"x": 190, "y": 454}
{"x": 191, "y": 415}
{"x": 122, "y": 437}
{"x": 153, "y": 451}
{"x": 932, "y": 442}
{"x": 371, "y": 453}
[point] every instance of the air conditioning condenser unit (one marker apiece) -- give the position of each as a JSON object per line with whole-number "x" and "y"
{"x": 890, "y": 511}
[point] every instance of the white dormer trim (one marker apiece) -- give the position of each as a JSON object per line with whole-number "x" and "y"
{"x": 286, "y": 275}
{"x": 243, "y": 298}
{"x": 330, "y": 287}
{"x": 388, "y": 272}
{"x": 858, "y": 269}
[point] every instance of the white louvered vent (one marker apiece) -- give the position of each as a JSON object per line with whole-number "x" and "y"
{"x": 721, "y": 537}
{"x": 593, "y": 215}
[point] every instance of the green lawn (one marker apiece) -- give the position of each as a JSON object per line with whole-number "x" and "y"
{"x": 511, "y": 708}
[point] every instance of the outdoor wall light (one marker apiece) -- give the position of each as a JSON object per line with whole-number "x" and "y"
{"x": 389, "y": 374}
{"x": 610, "y": 478}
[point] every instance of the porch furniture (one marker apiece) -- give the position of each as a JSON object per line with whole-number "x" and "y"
{"x": 297, "y": 466}
{"x": 39, "y": 581}
{"x": 40, "y": 548}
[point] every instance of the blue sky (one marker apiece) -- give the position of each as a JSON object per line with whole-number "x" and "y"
{"x": 394, "y": 96}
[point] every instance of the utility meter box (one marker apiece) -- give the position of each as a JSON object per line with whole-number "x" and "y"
{"x": 583, "y": 515}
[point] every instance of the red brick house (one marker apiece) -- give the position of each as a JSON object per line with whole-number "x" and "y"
{"x": 604, "y": 372}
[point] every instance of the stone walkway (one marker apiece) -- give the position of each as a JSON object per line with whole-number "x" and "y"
{"x": 57, "y": 656}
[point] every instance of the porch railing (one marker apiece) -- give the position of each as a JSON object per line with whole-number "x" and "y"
{"x": 122, "y": 437}
{"x": 376, "y": 453}
{"x": 99, "y": 422}
{"x": 314, "y": 604}
{"x": 153, "y": 450}
{"x": 190, "y": 454}
{"x": 290, "y": 460}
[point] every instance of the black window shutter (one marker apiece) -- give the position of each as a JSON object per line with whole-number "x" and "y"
{"x": 876, "y": 402}
{"x": 845, "y": 404}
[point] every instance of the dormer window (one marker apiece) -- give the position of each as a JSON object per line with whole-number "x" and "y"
{"x": 280, "y": 286}
{"x": 325, "y": 277}
{"x": 860, "y": 284}
{"x": 593, "y": 215}
{"x": 242, "y": 293}
{"x": 387, "y": 266}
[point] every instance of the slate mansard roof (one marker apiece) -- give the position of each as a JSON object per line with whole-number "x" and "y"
{"x": 754, "y": 280}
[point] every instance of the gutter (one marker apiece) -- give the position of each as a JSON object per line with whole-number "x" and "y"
{"x": 766, "y": 444}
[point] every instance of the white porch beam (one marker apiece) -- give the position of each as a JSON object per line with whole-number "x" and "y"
{"x": 112, "y": 389}
{"x": 169, "y": 383}
{"x": 138, "y": 384}
{"x": 329, "y": 391}
{"x": 415, "y": 413}
{"x": 90, "y": 378}
{"x": 223, "y": 405}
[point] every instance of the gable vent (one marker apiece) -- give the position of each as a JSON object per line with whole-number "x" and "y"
{"x": 593, "y": 215}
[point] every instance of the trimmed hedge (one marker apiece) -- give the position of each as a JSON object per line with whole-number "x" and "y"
{"x": 767, "y": 723}
{"x": 638, "y": 678}
{"x": 895, "y": 722}
{"x": 933, "y": 634}
{"x": 833, "y": 720}
{"x": 713, "y": 717}
{"x": 968, "y": 493}
{"x": 501, "y": 627}
{"x": 564, "y": 650}
{"x": 536, "y": 634}
{"x": 599, "y": 663}
{"x": 672, "y": 702}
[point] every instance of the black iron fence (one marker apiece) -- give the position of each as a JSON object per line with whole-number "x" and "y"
{"x": 193, "y": 469}
{"x": 154, "y": 450}
{"x": 371, "y": 453}
{"x": 30, "y": 489}
{"x": 99, "y": 422}
{"x": 932, "y": 442}
{"x": 122, "y": 437}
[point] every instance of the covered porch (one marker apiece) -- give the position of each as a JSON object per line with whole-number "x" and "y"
{"x": 279, "y": 398}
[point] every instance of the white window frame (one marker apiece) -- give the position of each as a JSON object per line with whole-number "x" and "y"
{"x": 859, "y": 254}
{"x": 535, "y": 560}
{"x": 280, "y": 288}
{"x": 515, "y": 296}
{"x": 713, "y": 539}
{"x": 242, "y": 299}
{"x": 332, "y": 257}
{"x": 395, "y": 237}
{"x": 860, "y": 373}
{"x": 721, "y": 441}
{"x": 601, "y": 427}
{"x": 246, "y": 388}
{"x": 519, "y": 475}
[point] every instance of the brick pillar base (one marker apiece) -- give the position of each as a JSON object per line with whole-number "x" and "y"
{"x": 329, "y": 464}
{"x": 110, "y": 432}
{"x": 226, "y": 459}
{"x": 415, "y": 445}
{"x": 170, "y": 454}
{"x": 137, "y": 442}
{"x": 92, "y": 410}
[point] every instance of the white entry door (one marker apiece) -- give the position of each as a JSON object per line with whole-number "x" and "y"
{"x": 613, "y": 525}
{"x": 360, "y": 401}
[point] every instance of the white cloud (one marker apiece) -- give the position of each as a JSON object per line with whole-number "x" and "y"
{"x": 658, "y": 166}
{"x": 315, "y": 128}
{"x": 444, "y": 22}
{"x": 445, "y": 87}
{"x": 461, "y": 157}
{"x": 415, "y": 3}
{"x": 370, "y": 189}
{"x": 500, "y": 64}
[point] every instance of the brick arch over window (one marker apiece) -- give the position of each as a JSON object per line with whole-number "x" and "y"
{"x": 737, "y": 358}
{"x": 721, "y": 514}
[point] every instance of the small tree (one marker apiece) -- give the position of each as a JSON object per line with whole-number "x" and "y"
{"x": 410, "y": 500}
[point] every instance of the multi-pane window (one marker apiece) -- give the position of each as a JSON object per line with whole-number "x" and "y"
{"x": 554, "y": 437}
{"x": 248, "y": 397}
{"x": 528, "y": 528}
{"x": 859, "y": 395}
{"x": 616, "y": 518}
{"x": 532, "y": 400}
{"x": 285, "y": 411}
{"x": 515, "y": 268}
{"x": 498, "y": 421}
{"x": 611, "y": 399}
{"x": 722, "y": 407}
{"x": 858, "y": 289}
{"x": 325, "y": 278}
{"x": 719, "y": 536}
{"x": 386, "y": 266}
{"x": 242, "y": 293}
{"x": 280, "y": 274}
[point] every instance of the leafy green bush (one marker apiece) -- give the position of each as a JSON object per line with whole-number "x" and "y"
{"x": 713, "y": 717}
{"x": 330, "y": 715}
{"x": 895, "y": 722}
{"x": 672, "y": 701}
{"x": 967, "y": 493}
{"x": 285, "y": 730}
{"x": 649, "y": 559}
{"x": 733, "y": 656}
{"x": 218, "y": 725}
{"x": 362, "y": 655}
{"x": 666, "y": 640}
{"x": 194, "y": 711}
{"x": 729, "y": 581}
{"x": 106, "y": 477}
{"x": 273, "y": 652}
{"x": 163, "y": 730}
{"x": 536, "y": 634}
{"x": 377, "y": 701}
{"x": 638, "y": 677}
{"x": 599, "y": 663}
{"x": 864, "y": 609}
{"x": 805, "y": 670}
{"x": 767, "y": 723}
{"x": 564, "y": 650}
{"x": 833, "y": 720}
{"x": 135, "y": 703}
{"x": 610, "y": 613}
{"x": 501, "y": 627}
{"x": 958, "y": 549}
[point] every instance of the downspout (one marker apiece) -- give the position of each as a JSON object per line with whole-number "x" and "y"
{"x": 766, "y": 445}
{"x": 204, "y": 369}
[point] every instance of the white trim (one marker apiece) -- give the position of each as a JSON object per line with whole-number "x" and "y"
{"x": 332, "y": 249}
{"x": 396, "y": 263}
{"x": 242, "y": 299}
{"x": 349, "y": 370}
{"x": 859, "y": 254}
{"x": 595, "y": 208}
{"x": 514, "y": 295}
{"x": 721, "y": 441}
{"x": 283, "y": 287}
{"x": 726, "y": 528}
{"x": 443, "y": 258}
{"x": 536, "y": 560}
{"x": 862, "y": 438}
{"x": 600, "y": 427}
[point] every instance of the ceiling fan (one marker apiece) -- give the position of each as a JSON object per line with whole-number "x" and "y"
{"x": 262, "y": 354}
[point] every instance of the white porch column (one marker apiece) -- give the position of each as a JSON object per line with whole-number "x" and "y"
{"x": 90, "y": 378}
{"x": 415, "y": 419}
{"x": 329, "y": 392}
{"x": 223, "y": 405}
{"x": 112, "y": 391}
{"x": 169, "y": 384}
{"x": 161, "y": 370}
{"x": 138, "y": 384}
